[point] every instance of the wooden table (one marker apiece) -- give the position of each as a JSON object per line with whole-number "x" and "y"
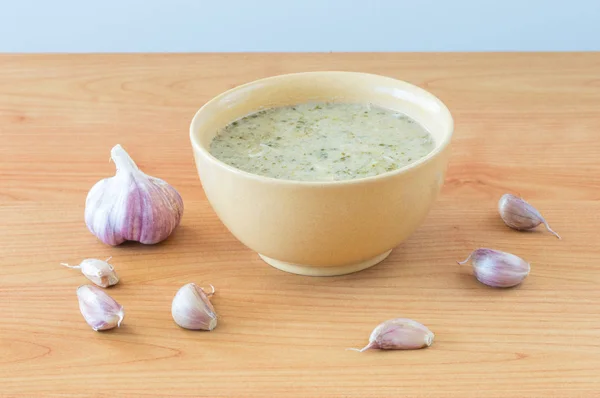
{"x": 525, "y": 123}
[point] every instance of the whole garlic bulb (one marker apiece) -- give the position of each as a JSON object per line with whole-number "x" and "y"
{"x": 132, "y": 205}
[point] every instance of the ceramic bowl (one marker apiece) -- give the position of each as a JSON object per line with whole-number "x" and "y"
{"x": 322, "y": 228}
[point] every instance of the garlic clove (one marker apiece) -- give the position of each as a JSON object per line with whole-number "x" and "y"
{"x": 100, "y": 272}
{"x": 132, "y": 205}
{"x": 498, "y": 269}
{"x": 192, "y": 309}
{"x": 399, "y": 334}
{"x": 99, "y": 310}
{"x": 520, "y": 215}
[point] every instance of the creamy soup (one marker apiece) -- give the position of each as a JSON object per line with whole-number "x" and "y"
{"x": 322, "y": 142}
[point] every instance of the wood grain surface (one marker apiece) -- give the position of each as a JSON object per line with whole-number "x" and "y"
{"x": 525, "y": 123}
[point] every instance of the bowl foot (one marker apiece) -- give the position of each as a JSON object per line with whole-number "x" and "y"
{"x": 311, "y": 270}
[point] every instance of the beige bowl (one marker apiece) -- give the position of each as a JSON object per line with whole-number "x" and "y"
{"x": 322, "y": 228}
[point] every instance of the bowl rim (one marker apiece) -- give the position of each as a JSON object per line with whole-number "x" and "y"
{"x": 362, "y": 180}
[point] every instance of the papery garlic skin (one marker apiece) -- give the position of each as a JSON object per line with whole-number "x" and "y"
{"x": 192, "y": 309}
{"x": 400, "y": 334}
{"x": 498, "y": 269}
{"x": 132, "y": 205}
{"x": 100, "y": 272}
{"x": 520, "y": 215}
{"x": 99, "y": 310}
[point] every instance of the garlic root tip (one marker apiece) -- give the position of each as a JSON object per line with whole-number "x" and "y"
{"x": 212, "y": 324}
{"x": 211, "y": 293}
{"x": 368, "y": 346}
{"x": 429, "y": 339}
{"x": 551, "y": 230}
{"x": 465, "y": 261}
{"x": 71, "y": 266}
{"x": 121, "y": 316}
{"x": 365, "y": 348}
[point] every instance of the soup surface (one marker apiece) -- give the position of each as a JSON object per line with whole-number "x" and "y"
{"x": 322, "y": 142}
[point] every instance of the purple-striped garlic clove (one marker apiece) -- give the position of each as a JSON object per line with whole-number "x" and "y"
{"x": 99, "y": 310}
{"x": 100, "y": 272}
{"x": 132, "y": 205}
{"x": 192, "y": 309}
{"x": 520, "y": 215}
{"x": 399, "y": 334}
{"x": 498, "y": 269}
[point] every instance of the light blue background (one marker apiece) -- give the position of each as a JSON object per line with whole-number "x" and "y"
{"x": 309, "y": 25}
